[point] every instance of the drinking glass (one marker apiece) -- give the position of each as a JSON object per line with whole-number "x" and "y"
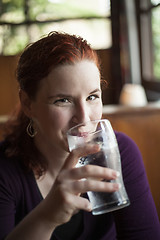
{"x": 100, "y": 132}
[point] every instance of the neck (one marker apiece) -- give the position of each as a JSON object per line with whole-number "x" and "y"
{"x": 55, "y": 161}
{"x": 54, "y": 157}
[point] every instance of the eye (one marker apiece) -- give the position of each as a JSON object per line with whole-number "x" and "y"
{"x": 92, "y": 97}
{"x": 62, "y": 101}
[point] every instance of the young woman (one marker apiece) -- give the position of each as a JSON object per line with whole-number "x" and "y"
{"x": 41, "y": 195}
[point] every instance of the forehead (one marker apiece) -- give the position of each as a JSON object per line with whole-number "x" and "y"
{"x": 83, "y": 74}
{"x": 80, "y": 67}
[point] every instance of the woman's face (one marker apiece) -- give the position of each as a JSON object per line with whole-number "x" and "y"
{"x": 69, "y": 95}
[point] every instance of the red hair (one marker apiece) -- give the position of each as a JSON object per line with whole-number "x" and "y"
{"x": 55, "y": 49}
{"x": 35, "y": 63}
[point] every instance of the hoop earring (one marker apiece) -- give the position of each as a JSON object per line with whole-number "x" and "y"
{"x": 30, "y": 130}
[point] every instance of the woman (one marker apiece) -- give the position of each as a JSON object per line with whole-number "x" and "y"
{"x": 40, "y": 189}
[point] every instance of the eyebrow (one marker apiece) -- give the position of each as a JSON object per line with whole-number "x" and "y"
{"x": 59, "y": 96}
{"x": 96, "y": 90}
{"x": 69, "y": 96}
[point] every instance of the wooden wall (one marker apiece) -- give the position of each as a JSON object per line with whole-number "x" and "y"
{"x": 8, "y": 84}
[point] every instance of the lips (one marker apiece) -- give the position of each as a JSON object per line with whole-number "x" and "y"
{"x": 83, "y": 134}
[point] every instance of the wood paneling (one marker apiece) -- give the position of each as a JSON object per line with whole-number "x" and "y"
{"x": 8, "y": 84}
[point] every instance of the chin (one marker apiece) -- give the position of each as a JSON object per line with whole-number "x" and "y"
{"x": 65, "y": 147}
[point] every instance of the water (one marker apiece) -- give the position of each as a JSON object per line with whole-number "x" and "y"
{"x": 106, "y": 157}
{"x": 105, "y": 202}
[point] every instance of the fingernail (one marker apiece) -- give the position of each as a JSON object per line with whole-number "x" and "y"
{"x": 89, "y": 208}
{"x": 117, "y": 186}
{"x": 116, "y": 174}
{"x": 93, "y": 146}
{"x": 97, "y": 146}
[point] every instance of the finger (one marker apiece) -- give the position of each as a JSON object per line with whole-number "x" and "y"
{"x": 73, "y": 157}
{"x": 68, "y": 202}
{"x": 93, "y": 185}
{"x": 82, "y": 203}
{"x": 89, "y": 171}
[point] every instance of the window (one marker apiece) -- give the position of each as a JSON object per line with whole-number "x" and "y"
{"x": 150, "y": 33}
{"x": 24, "y": 21}
{"x": 155, "y": 21}
{"x": 149, "y": 20}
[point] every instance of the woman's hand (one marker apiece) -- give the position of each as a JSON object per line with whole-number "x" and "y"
{"x": 65, "y": 198}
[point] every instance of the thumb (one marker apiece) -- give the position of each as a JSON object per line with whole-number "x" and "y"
{"x": 73, "y": 157}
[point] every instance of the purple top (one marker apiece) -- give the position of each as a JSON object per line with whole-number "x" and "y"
{"x": 19, "y": 194}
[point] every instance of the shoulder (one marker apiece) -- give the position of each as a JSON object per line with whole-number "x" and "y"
{"x": 8, "y": 167}
{"x": 16, "y": 183}
{"x": 138, "y": 190}
{"x": 127, "y": 147}
{"x": 125, "y": 142}
{"x": 12, "y": 174}
{"x": 131, "y": 157}
{"x": 6, "y": 163}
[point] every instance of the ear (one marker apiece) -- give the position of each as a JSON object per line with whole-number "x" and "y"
{"x": 25, "y": 103}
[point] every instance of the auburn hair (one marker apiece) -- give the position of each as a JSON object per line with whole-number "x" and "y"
{"x": 35, "y": 63}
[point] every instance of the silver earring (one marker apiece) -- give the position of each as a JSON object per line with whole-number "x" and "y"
{"x": 30, "y": 130}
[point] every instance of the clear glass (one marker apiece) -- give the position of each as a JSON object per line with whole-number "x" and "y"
{"x": 101, "y": 132}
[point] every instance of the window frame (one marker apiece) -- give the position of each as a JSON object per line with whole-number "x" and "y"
{"x": 149, "y": 82}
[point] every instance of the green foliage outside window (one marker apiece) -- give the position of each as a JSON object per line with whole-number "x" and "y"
{"x": 24, "y": 21}
{"x": 156, "y": 41}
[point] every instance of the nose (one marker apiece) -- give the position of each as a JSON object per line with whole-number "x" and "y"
{"x": 81, "y": 113}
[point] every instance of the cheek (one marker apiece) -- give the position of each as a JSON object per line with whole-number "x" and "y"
{"x": 44, "y": 118}
{"x": 97, "y": 111}
{"x": 55, "y": 118}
